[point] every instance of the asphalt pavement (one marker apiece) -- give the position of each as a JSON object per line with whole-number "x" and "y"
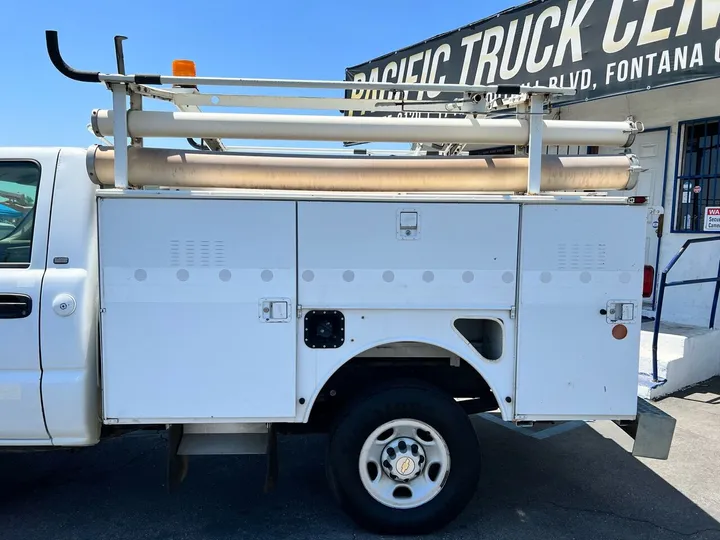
{"x": 576, "y": 483}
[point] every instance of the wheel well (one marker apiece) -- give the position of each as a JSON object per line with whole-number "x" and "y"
{"x": 418, "y": 361}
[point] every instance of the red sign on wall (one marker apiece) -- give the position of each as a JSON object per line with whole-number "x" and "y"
{"x": 712, "y": 219}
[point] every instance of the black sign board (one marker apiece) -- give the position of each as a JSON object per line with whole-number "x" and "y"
{"x": 600, "y": 47}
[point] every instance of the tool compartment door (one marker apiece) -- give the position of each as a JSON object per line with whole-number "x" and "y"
{"x": 575, "y": 259}
{"x": 198, "y": 301}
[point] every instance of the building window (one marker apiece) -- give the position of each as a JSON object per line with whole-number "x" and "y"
{"x": 698, "y": 178}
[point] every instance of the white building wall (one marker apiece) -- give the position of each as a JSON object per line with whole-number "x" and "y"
{"x": 688, "y": 304}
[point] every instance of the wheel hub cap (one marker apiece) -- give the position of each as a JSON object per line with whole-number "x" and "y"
{"x": 404, "y": 463}
{"x": 403, "y": 459}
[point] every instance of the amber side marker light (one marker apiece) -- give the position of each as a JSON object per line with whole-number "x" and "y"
{"x": 183, "y": 68}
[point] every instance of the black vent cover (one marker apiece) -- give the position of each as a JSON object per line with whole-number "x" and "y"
{"x": 324, "y": 329}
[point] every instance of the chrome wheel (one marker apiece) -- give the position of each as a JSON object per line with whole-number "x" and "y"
{"x": 404, "y": 463}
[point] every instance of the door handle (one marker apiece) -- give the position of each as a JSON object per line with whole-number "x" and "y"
{"x": 15, "y": 306}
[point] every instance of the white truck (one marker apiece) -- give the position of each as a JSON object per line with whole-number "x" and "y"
{"x": 228, "y": 296}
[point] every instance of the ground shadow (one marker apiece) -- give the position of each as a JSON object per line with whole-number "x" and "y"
{"x": 707, "y": 392}
{"x": 574, "y": 485}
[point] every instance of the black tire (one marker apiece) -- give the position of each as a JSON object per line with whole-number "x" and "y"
{"x": 416, "y": 401}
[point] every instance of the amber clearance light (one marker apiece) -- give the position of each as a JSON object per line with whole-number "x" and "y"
{"x": 183, "y": 68}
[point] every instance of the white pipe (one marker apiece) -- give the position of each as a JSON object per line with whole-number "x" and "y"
{"x": 207, "y": 170}
{"x": 364, "y": 129}
{"x": 319, "y": 151}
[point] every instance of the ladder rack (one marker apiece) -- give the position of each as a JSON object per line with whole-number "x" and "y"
{"x": 472, "y": 123}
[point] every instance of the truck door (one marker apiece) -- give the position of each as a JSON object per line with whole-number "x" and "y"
{"x": 26, "y": 185}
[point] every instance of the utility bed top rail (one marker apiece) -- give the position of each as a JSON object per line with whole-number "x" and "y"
{"x": 471, "y": 123}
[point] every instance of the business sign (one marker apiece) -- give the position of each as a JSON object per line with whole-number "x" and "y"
{"x": 600, "y": 47}
{"x": 712, "y": 219}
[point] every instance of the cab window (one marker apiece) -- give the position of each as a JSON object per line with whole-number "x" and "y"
{"x": 19, "y": 182}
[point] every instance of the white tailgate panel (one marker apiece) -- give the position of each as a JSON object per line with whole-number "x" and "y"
{"x": 574, "y": 260}
{"x": 350, "y": 256}
{"x": 181, "y": 286}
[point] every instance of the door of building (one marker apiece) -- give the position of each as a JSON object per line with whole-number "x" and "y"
{"x": 651, "y": 149}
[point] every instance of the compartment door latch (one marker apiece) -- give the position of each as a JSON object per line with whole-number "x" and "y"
{"x": 273, "y": 310}
{"x": 621, "y": 311}
{"x": 408, "y": 225}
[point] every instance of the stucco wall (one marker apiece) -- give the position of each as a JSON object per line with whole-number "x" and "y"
{"x": 688, "y": 304}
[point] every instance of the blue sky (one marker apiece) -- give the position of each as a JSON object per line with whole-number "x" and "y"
{"x": 311, "y": 39}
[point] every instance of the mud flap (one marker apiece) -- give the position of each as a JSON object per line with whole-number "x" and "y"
{"x": 272, "y": 461}
{"x": 652, "y": 430}
{"x": 177, "y": 465}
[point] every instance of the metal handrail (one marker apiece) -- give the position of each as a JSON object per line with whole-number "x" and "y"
{"x": 661, "y": 295}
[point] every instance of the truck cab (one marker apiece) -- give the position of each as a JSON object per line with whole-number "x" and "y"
{"x": 48, "y": 271}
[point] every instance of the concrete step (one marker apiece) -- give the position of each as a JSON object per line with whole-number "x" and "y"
{"x": 687, "y": 355}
